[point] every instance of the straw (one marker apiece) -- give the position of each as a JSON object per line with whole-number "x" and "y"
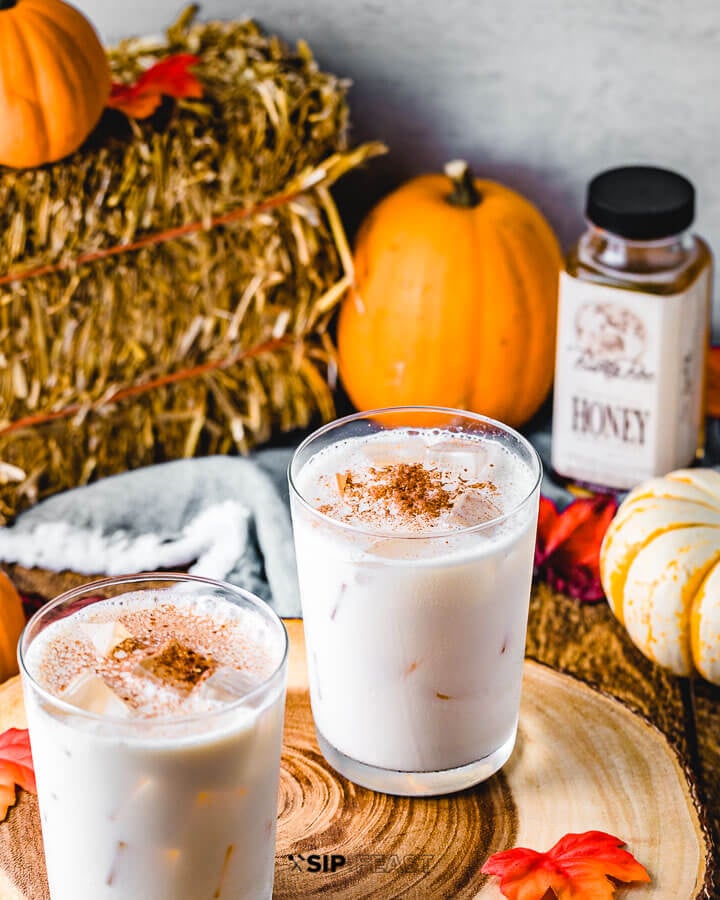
{"x": 166, "y": 290}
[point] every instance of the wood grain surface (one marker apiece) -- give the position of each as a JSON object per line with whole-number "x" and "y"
{"x": 583, "y": 761}
{"x": 587, "y": 641}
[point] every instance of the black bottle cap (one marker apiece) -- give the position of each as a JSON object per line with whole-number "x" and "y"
{"x": 641, "y": 202}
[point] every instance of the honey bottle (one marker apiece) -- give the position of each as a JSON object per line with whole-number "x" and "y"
{"x": 633, "y": 329}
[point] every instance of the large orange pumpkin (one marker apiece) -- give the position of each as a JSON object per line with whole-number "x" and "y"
{"x": 454, "y": 300}
{"x": 12, "y": 622}
{"x": 54, "y": 81}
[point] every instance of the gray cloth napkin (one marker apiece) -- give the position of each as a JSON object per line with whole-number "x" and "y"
{"x": 227, "y": 516}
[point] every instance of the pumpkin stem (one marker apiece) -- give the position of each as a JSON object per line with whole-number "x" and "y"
{"x": 464, "y": 192}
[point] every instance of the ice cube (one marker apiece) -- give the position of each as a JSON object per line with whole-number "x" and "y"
{"x": 129, "y": 801}
{"x": 390, "y": 548}
{"x": 90, "y": 692}
{"x": 384, "y": 453}
{"x": 473, "y": 509}
{"x": 105, "y": 636}
{"x": 404, "y": 548}
{"x": 226, "y": 685}
{"x": 459, "y": 457}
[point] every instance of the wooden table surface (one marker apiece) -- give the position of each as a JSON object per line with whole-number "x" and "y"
{"x": 586, "y": 641}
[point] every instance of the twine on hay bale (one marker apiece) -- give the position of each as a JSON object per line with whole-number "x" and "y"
{"x": 166, "y": 290}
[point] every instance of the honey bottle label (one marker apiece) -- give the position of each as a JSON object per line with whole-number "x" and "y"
{"x": 629, "y": 375}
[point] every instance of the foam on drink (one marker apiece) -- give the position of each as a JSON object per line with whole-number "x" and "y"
{"x": 143, "y": 656}
{"x": 415, "y": 482}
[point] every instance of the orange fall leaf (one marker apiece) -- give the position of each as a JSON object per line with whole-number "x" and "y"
{"x": 578, "y": 867}
{"x": 170, "y": 77}
{"x": 16, "y": 767}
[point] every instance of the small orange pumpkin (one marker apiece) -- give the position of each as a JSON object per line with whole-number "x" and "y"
{"x": 54, "y": 81}
{"x": 12, "y": 622}
{"x": 454, "y": 301}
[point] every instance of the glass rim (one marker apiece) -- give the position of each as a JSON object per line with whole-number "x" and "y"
{"x": 445, "y": 410}
{"x": 154, "y": 721}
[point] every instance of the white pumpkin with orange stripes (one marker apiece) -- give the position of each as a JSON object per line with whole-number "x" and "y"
{"x": 660, "y": 569}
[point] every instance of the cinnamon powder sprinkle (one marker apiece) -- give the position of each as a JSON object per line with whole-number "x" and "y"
{"x": 226, "y": 863}
{"x": 417, "y": 491}
{"x": 124, "y": 648}
{"x": 410, "y": 488}
{"x": 409, "y": 495}
{"x": 179, "y": 665}
{"x": 119, "y": 850}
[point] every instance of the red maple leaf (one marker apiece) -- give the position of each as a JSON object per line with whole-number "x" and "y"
{"x": 16, "y": 767}
{"x": 578, "y": 867}
{"x": 712, "y": 385}
{"x": 567, "y": 551}
{"x": 170, "y": 77}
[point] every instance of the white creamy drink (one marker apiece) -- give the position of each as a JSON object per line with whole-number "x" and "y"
{"x": 155, "y": 720}
{"x": 415, "y": 550}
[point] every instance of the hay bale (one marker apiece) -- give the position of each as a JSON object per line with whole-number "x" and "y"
{"x": 166, "y": 290}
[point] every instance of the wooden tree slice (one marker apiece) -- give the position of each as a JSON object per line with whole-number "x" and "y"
{"x": 583, "y": 761}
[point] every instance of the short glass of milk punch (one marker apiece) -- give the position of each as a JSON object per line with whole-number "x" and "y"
{"x": 155, "y": 707}
{"x": 415, "y": 533}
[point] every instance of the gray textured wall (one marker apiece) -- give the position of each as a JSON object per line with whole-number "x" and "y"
{"x": 539, "y": 94}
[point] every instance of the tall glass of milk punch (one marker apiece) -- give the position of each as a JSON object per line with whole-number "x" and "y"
{"x": 415, "y": 533}
{"x": 155, "y": 707}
